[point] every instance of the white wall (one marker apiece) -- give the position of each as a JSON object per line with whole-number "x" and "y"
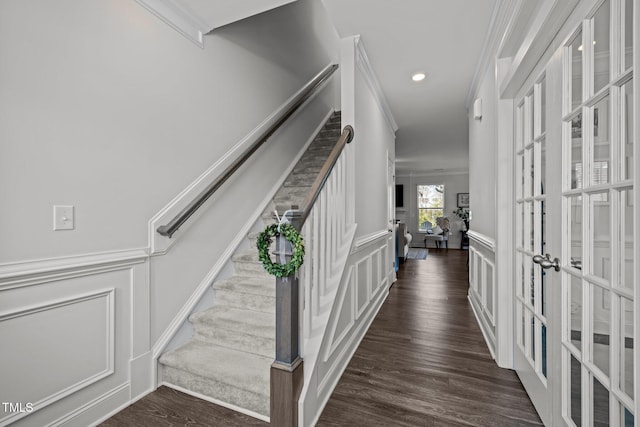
{"x": 454, "y": 183}
{"x": 374, "y": 144}
{"x": 105, "y": 107}
{"x": 482, "y": 166}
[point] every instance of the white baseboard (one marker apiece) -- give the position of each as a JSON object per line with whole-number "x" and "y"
{"x": 141, "y": 375}
{"x": 218, "y": 402}
{"x": 83, "y": 415}
{"x": 490, "y": 343}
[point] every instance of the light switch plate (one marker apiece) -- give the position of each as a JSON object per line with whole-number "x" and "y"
{"x": 63, "y": 218}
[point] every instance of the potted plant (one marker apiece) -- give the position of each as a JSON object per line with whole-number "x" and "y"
{"x": 463, "y": 214}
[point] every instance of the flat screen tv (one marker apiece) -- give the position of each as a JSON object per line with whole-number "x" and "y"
{"x": 399, "y": 196}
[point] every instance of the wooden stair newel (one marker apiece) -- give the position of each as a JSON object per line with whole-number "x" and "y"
{"x": 287, "y": 374}
{"x": 286, "y": 386}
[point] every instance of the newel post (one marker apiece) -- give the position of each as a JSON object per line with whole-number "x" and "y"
{"x": 287, "y": 376}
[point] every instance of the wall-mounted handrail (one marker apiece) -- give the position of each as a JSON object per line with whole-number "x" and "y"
{"x": 170, "y": 228}
{"x": 345, "y": 138}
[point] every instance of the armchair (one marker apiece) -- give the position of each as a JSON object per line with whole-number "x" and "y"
{"x": 438, "y": 235}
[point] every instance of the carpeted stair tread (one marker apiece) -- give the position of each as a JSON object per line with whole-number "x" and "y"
{"x": 249, "y": 322}
{"x": 228, "y": 375}
{"x": 243, "y": 370}
{"x": 248, "y": 256}
{"x": 254, "y": 285}
{"x": 290, "y": 193}
{"x": 246, "y": 330}
{"x": 230, "y": 354}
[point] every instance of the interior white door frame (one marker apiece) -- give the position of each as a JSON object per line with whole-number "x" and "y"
{"x": 504, "y": 224}
{"x": 636, "y": 223}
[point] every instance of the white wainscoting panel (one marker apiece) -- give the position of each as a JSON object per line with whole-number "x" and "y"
{"x": 482, "y": 288}
{"x": 362, "y": 290}
{"x": 75, "y": 338}
{"x": 85, "y": 324}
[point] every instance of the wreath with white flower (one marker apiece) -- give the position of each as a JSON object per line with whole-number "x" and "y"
{"x": 264, "y": 242}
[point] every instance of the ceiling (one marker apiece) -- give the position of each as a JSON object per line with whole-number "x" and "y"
{"x": 443, "y": 38}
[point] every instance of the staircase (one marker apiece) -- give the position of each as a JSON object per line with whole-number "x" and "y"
{"x": 230, "y": 353}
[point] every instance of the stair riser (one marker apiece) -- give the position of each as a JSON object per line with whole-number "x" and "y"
{"x": 246, "y": 301}
{"x": 300, "y": 180}
{"x": 325, "y": 140}
{"x": 328, "y": 134}
{"x": 237, "y": 340}
{"x": 223, "y": 392}
{"x": 291, "y": 193}
{"x": 250, "y": 267}
{"x": 309, "y": 163}
{"x": 230, "y": 354}
{"x": 268, "y": 218}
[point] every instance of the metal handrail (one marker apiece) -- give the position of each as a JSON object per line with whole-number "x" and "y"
{"x": 170, "y": 228}
{"x": 345, "y": 138}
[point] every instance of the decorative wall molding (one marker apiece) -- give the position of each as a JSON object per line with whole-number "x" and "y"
{"x": 102, "y": 370}
{"x": 485, "y": 241}
{"x": 502, "y": 12}
{"x": 348, "y": 290}
{"x": 30, "y": 273}
{"x": 106, "y": 296}
{"x": 347, "y": 322}
{"x": 363, "y": 241}
{"x": 485, "y": 333}
{"x": 431, "y": 173}
{"x": 224, "y": 258}
{"x": 178, "y": 17}
{"x": 158, "y": 244}
{"x": 478, "y": 266}
{"x": 117, "y": 394}
{"x": 195, "y": 19}
{"x": 545, "y": 27}
{"x": 362, "y": 61}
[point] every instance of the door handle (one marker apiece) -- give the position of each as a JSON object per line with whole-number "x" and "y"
{"x": 546, "y": 262}
{"x": 576, "y": 264}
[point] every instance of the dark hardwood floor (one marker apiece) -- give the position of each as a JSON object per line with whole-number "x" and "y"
{"x": 423, "y": 362}
{"x": 168, "y": 407}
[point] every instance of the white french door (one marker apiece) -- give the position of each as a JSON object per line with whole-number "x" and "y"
{"x": 537, "y": 201}
{"x": 575, "y": 309}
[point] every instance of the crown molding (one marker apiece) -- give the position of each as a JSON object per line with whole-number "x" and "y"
{"x": 501, "y": 17}
{"x": 431, "y": 172}
{"x": 543, "y": 30}
{"x": 362, "y": 61}
{"x": 178, "y": 17}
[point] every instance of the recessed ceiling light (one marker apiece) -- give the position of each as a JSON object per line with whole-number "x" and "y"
{"x": 417, "y": 77}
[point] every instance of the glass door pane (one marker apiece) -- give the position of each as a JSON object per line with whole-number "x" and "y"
{"x": 575, "y": 71}
{"x": 599, "y": 229}
{"x": 626, "y": 144}
{"x": 627, "y": 46}
{"x": 576, "y": 151}
{"x": 601, "y": 147}
{"x": 600, "y": 42}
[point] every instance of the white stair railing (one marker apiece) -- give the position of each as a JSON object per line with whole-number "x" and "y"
{"x": 324, "y": 234}
{"x": 302, "y": 298}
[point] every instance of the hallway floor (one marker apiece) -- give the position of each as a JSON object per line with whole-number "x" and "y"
{"x": 423, "y": 362}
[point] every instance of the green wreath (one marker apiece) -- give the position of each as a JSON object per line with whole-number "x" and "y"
{"x": 290, "y": 234}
